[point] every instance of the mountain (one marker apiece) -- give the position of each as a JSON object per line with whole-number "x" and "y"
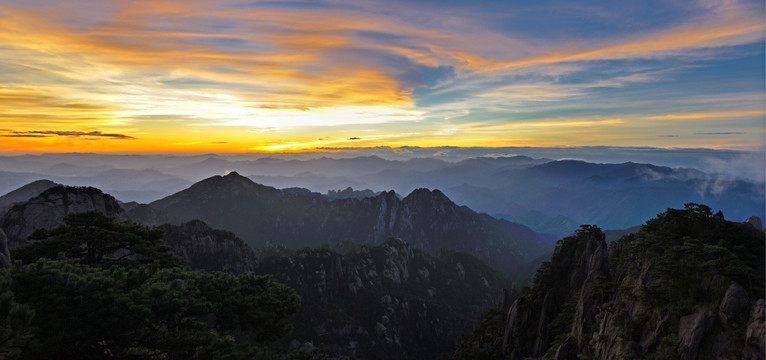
{"x": 295, "y": 218}
{"x": 147, "y": 215}
{"x": 549, "y": 196}
{"x": 348, "y": 193}
{"x": 131, "y": 184}
{"x": 12, "y": 180}
{"x": 387, "y": 301}
{"x": 50, "y": 207}
{"x": 205, "y": 248}
{"x": 24, "y": 193}
{"x": 615, "y": 196}
{"x": 688, "y": 284}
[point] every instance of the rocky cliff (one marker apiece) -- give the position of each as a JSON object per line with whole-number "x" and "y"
{"x": 50, "y": 207}
{"x": 563, "y": 298}
{"x": 687, "y": 285}
{"x": 5, "y": 255}
{"x": 389, "y": 301}
{"x": 205, "y": 248}
{"x": 295, "y": 218}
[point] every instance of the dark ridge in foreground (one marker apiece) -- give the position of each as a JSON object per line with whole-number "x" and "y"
{"x": 687, "y": 285}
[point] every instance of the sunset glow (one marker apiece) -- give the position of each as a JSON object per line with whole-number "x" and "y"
{"x": 230, "y": 76}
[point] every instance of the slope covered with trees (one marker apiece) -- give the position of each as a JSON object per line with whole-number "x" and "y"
{"x": 95, "y": 288}
{"x": 388, "y": 301}
{"x": 688, "y": 285}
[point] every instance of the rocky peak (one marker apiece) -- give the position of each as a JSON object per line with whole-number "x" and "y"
{"x": 430, "y": 197}
{"x": 594, "y": 271}
{"x": 49, "y": 209}
{"x": 565, "y": 285}
{"x": 231, "y": 179}
{"x": 24, "y": 193}
{"x": 755, "y": 221}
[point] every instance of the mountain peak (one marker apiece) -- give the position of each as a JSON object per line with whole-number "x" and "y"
{"x": 233, "y": 175}
{"x": 25, "y": 193}
{"x": 230, "y": 178}
{"x": 423, "y": 194}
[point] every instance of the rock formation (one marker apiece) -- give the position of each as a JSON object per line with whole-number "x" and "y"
{"x": 5, "y": 255}
{"x": 50, "y": 207}
{"x": 205, "y": 248}
{"x": 687, "y": 285}
{"x": 388, "y": 301}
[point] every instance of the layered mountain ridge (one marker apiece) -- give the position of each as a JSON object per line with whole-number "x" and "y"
{"x": 426, "y": 219}
{"x": 543, "y": 190}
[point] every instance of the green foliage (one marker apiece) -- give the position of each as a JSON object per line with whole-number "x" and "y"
{"x": 145, "y": 312}
{"x": 104, "y": 289}
{"x": 673, "y": 257}
{"x": 15, "y": 320}
{"x": 678, "y": 263}
{"x": 95, "y": 238}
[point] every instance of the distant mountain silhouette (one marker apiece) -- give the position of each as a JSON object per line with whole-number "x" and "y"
{"x": 548, "y": 196}
{"x": 615, "y": 196}
{"x": 24, "y": 193}
{"x": 426, "y": 219}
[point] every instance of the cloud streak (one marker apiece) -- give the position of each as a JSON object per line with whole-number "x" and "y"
{"x": 274, "y": 69}
{"x": 47, "y": 133}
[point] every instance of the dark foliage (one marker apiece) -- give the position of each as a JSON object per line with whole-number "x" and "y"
{"x": 101, "y": 289}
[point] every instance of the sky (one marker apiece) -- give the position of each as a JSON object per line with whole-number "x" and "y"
{"x": 194, "y": 76}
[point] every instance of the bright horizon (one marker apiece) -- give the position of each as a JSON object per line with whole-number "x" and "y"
{"x": 207, "y": 76}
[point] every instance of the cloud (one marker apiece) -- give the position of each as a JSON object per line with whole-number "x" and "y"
{"x": 709, "y": 115}
{"x": 22, "y": 136}
{"x": 46, "y": 133}
{"x": 721, "y": 133}
{"x": 271, "y": 67}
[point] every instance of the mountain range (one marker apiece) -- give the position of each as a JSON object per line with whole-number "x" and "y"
{"x": 294, "y": 218}
{"x": 552, "y": 195}
{"x": 386, "y": 276}
{"x": 372, "y": 300}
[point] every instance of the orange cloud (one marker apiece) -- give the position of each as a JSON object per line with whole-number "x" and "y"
{"x": 709, "y": 115}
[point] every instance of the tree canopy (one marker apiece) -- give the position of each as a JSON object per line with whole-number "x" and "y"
{"x": 96, "y": 288}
